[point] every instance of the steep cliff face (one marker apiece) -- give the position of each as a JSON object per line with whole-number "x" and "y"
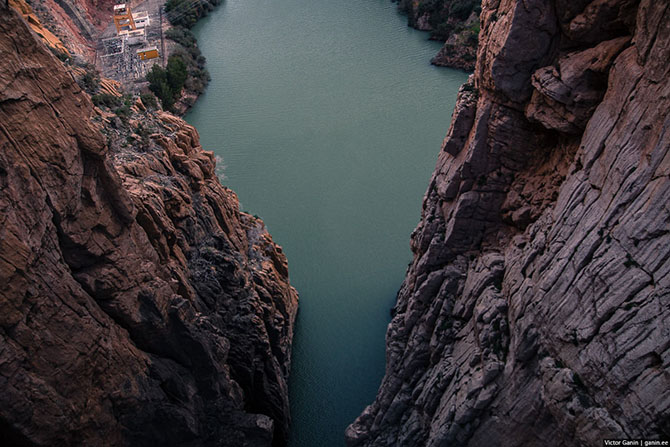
{"x": 138, "y": 305}
{"x": 536, "y": 310}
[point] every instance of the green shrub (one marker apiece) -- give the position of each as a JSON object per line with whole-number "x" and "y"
{"x": 167, "y": 83}
{"x": 90, "y": 80}
{"x": 186, "y": 12}
{"x": 106, "y": 100}
{"x": 176, "y": 73}
{"x": 197, "y": 76}
{"x": 164, "y": 92}
{"x": 149, "y": 100}
{"x": 123, "y": 111}
{"x": 158, "y": 84}
{"x": 182, "y": 36}
{"x": 63, "y": 56}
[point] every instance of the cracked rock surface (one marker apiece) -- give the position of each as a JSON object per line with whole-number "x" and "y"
{"x": 138, "y": 305}
{"x": 536, "y": 311}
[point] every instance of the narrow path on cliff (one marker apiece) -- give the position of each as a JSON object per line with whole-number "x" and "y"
{"x": 328, "y": 119}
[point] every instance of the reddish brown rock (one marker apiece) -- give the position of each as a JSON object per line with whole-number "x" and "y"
{"x": 535, "y": 311}
{"x": 138, "y": 305}
{"x": 456, "y": 54}
{"x": 567, "y": 94}
{"x": 601, "y": 20}
{"x": 462, "y": 119}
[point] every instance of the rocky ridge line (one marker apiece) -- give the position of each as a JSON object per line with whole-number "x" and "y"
{"x": 535, "y": 312}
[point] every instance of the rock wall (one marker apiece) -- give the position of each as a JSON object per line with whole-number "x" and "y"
{"x": 536, "y": 311}
{"x": 138, "y": 305}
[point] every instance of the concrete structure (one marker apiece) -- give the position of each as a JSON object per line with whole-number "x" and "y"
{"x": 117, "y": 55}
{"x": 141, "y": 19}
{"x": 123, "y": 18}
{"x": 147, "y": 53}
{"x": 135, "y": 37}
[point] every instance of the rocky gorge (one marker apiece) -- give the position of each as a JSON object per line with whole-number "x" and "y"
{"x": 536, "y": 309}
{"x": 139, "y": 305}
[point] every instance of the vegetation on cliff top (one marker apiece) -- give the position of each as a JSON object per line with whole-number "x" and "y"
{"x": 186, "y": 13}
{"x": 167, "y": 83}
{"x": 198, "y": 76}
{"x": 182, "y": 14}
{"x": 185, "y": 71}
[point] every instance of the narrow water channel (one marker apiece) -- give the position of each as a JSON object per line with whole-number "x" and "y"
{"x": 328, "y": 119}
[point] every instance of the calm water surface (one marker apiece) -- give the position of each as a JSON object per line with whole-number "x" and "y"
{"x": 328, "y": 118}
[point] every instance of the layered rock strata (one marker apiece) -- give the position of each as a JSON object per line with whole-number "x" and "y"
{"x": 33, "y": 21}
{"x": 138, "y": 305}
{"x": 76, "y": 23}
{"x": 536, "y": 311}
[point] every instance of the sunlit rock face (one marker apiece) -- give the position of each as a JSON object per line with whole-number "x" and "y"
{"x": 536, "y": 310}
{"x": 138, "y": 305}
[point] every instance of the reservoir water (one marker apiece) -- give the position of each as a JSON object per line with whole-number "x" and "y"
{"x": 328, "y": 119}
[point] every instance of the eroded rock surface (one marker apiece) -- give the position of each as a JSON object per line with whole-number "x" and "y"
{"x": 454, "y": 22}
{"x": 138, "y": 305}
{"x": 536, "y": 311}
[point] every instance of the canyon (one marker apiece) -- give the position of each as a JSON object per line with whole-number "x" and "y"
{"x": 535, "y": 311}
{"x": 316, "y": 142}
{"x": 140, "y": 306}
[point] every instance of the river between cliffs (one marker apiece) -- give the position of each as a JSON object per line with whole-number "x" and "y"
{"x": 328, "y": 119}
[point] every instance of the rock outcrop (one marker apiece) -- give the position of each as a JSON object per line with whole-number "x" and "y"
{"x": 76, "y": 23}
{"x": 536, "y": 311}
{"x": 138, "y": 305}
{"x": 454, "y": 22}
{"x": 459, "y": 51}
{"x": 33, "y": 21}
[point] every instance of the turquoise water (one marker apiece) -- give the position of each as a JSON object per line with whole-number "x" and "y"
{"x": 328, "y": 118}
